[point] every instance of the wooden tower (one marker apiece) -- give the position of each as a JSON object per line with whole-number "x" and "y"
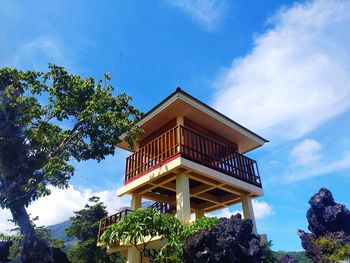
{"x": 190, "y": 157}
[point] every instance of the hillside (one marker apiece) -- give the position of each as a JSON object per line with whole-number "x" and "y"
{"x": 58, "y": 231}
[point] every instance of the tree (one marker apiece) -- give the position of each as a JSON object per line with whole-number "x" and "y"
{"x": 85, "y": 226}
{"x": 41, "y": 232}
{"x": 46, "y": 120}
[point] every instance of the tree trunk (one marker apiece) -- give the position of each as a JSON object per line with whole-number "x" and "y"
{"x": 34, "y": 249}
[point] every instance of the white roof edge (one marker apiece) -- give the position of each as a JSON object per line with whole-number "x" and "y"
{"x": 218, "y": 117}
{"x": 203, "y": 108}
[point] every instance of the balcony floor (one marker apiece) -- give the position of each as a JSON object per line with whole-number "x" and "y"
{"x": 209, "y": 189}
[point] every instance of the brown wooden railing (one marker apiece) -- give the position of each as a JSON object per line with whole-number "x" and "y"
{"x": 208, "y": 152}
{"x": 111, "y": 220}
{"x": 193, "y": 146}
{"x": 162, "y": 208}
{"x": 153, "y": 153}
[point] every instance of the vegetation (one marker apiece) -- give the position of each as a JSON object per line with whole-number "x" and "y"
{"x": 85, "y": 226}
{"x": 299, "y": 256}
{"x": 143, "y": 225}
{"x": 40, "y": 231}
{"x": 333, "y": 250}
{"x": 268, "y": 255}
{"x": 46, "y": 120}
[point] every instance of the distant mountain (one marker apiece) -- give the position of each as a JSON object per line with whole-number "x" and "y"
{"x": 58, "y": 231}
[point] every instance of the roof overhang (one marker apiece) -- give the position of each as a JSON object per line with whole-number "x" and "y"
{"x": 181, "y": 103}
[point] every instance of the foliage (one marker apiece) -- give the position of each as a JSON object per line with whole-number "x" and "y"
{"x": 333, "y": 250}
{"x": 41, "y": 232}
{"x": 98, "y": 119}
{"x": 200, "y": 224}
{"x": 299, "y": 256}
{"x": 268, "y": 255}
{"x": 46, "y": 120}
{"x": 144, "y": 224}
{"x": 85, "y": 226}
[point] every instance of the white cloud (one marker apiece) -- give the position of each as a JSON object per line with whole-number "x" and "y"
{"x": 261, "y": 211}
{"x": 321, "y": 169}
{"x": 225, "y": 213}
{"x": 59, "y": 206}
{"x": 308, "y": 151}
{"x": 5, "y": 225}
{"x": 208, "y": 13}
{"x": 36, "y": 54}
{"x": 297, "y": 74}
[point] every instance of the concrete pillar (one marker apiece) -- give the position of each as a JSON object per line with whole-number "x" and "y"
{"x": 199, "y": 214}
{"x": 135, "y": 201}
{"x": 263, "y": 239}
{"x": 248, "y": 210}
{"x": 133, "y": 255}
{"x": 183, "y": 208}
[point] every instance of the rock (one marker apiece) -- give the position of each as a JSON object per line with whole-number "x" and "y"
{"x": 312, "y": 251}
{"x": 231, "y": 240}
{"x": 4, "y": 250}
{"x": 287, "y": 259}
{"x": 326, "y": 216}
{"x": 326, "y": 219}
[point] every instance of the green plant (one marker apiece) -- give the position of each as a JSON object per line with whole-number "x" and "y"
{"x": 332, "y": 249}
{"x": 200, "y": 224}
{"x": 143, "y": 225}
{"x": 268, "y": 255}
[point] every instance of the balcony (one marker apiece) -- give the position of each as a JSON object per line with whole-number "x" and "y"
{"x": 115, "y": 218}
{"x": 194, "y": 146}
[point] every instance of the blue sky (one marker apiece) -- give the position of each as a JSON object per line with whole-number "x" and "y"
{"x": 279, "y": 67}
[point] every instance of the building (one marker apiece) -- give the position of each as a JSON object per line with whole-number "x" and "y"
{"x": 189, "y": 158}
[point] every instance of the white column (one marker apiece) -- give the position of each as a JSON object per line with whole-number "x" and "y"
{"x": 133, "y": 255}
{"x": 248, "y": 211}
{"x": 183, "y": 207}
{"x": 135, "y": 201}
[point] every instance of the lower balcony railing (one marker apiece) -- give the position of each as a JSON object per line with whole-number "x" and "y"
{"x": 193, "y": 146}
{"x": 111, "y": 220}
{"x": 162, "y": 208}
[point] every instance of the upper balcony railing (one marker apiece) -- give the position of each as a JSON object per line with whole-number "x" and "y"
{"x": 189, "y": 144}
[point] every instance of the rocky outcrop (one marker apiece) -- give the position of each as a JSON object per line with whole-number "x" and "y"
{"x": 231, "y": 240}
{"x": 4, "y": 250}
{"x": 287, "y": 259}
{"x": 326, "y": 219}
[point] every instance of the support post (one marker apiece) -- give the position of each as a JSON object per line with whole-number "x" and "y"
{"x": 133, "y": 253}
{"x": 179, "y": 122}
{"x": 248, "y": 211}
{"x": 135, "y": 201}
{"x": 183, "y": 208}
{"x": 199, "y": 214}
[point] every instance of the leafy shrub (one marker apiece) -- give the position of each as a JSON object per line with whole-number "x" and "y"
{"x": 143, "y": 224}
{"x": 332, "y": 249}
